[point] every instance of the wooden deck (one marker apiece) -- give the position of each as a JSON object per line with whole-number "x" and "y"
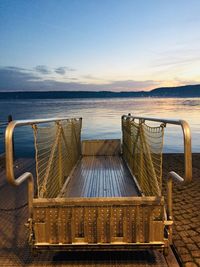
{"x": 101, "y": 176}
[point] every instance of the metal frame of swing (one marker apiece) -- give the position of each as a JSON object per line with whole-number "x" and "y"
{"x": 99, "y": 223}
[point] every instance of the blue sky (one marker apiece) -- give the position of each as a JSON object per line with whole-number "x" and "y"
{"x": 116, "y": 45}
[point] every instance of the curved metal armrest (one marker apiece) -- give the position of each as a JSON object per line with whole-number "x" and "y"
{"x": 10, "y": 166}
{"x": 22, "y": 178}
{"x": 175, "y": 176}
{"x": 171, "y": 175}
{"x": 10, "y": 158}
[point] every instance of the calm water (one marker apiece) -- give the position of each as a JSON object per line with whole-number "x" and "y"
{"x": 101, "y": 117}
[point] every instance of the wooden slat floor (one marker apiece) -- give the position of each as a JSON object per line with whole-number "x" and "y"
{"x": 101, "y": 176}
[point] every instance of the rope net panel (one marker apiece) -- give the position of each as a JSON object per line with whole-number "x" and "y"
{"x": 142, "y": 150}
{"x": 57, "y": 149}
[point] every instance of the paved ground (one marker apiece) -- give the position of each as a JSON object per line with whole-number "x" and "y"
{"x": 186, "y": 235}
{"x": 186, "y": 229}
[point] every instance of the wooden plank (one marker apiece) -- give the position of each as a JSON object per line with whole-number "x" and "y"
{"x": 101, "y": 176}
{"x": 101, "y": 147}
{"x": 150, "y": 201}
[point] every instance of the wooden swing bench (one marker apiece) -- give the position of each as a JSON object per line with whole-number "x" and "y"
{"x": 98, "y": 194}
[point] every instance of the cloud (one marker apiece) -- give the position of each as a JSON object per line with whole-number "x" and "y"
{"x": 129, "y": 85}
{"x": 16, "y": 68}
{"x": 175, "y": 57}
{"x": 42, "y": 69}
{"x": 13, "y": 79}
{"x": 18, "y": 79}
{"x": 91, "y": 77}
{"x": 62, "y": 70}
{"x": 174, "y": 62}
{"x": 70, "y": 69}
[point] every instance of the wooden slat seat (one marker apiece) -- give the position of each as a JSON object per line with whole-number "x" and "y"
{"x": 101, "y": 176}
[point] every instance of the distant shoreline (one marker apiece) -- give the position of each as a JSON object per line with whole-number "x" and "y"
{"x": 95, "y": 98}
{"x": 165, "y": 92}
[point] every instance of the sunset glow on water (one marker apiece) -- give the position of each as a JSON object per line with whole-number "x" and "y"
{"x": 102, "y": 117}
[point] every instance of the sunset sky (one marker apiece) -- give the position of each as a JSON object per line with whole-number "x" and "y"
{"x": 118, "y": 45}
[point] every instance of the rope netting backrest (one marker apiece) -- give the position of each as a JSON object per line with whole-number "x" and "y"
{"x": 142, "y": 150}
{"x": 57, "y": 149}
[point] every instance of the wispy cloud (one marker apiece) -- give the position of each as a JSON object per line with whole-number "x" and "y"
{"x": 13, "y": 78}
{"x": 16, "y": 68}
{"x": 89, "y": 77}
{"x": 42, "y": 69}
{"x": 174, "y": 57}
{"x": 132, "y": 85}
{"x": 61, "y": 70}
{"x": 21, "y": 79}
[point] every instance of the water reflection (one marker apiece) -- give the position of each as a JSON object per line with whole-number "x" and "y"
{"x": 102, "y": 117}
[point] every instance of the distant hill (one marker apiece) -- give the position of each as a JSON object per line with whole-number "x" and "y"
{"x": 180, "y": 91}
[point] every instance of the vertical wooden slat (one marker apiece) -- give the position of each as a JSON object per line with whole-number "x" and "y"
{"x": 90, "y": 224}
{"x": 103, "y": 224}
{"x": 137, "y": 224}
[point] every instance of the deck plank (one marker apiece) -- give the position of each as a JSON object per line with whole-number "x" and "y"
{"x": 101, "y": 176}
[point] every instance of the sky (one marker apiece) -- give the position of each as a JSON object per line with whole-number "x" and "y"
{"x": 93, "y": 45}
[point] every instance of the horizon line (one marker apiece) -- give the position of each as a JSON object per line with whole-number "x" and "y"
{"x": 102, "y": 91}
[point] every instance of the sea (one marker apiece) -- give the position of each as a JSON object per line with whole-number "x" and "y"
{"x": 102, "y": 117}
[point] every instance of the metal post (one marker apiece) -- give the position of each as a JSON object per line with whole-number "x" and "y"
{"x": 172, "y": 175}
{"x": 10, "y": 118}
{"x": 169, "y": 198}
